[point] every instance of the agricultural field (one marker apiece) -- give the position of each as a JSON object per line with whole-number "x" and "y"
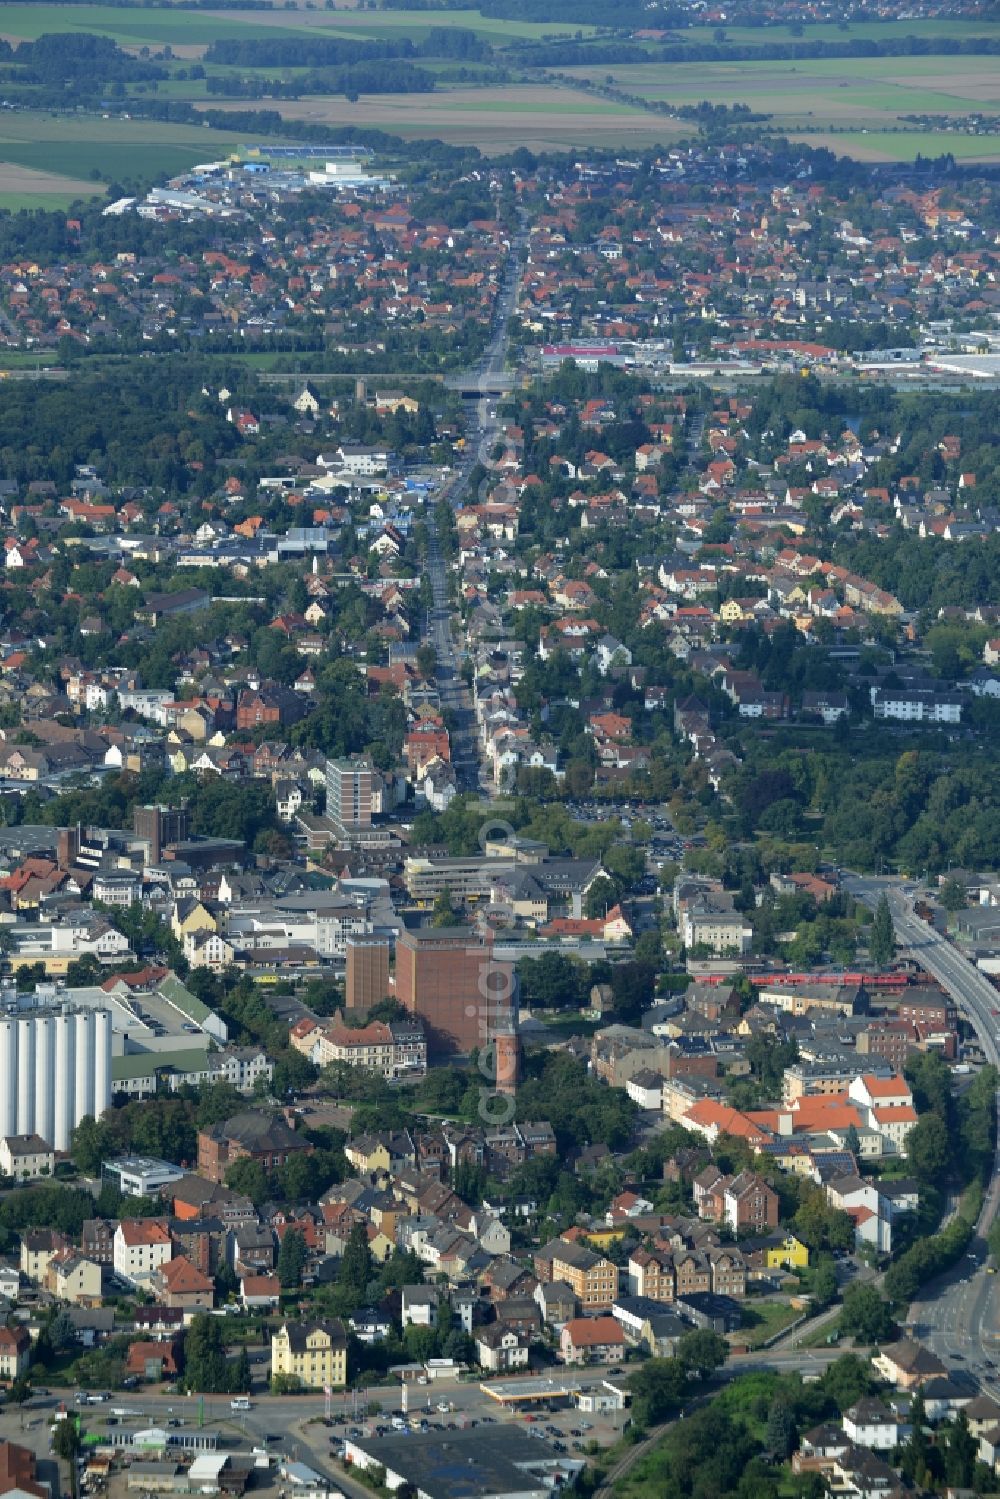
{"x": 886, "y": 145}
{"x": 869, "y": 31}
{"x": 189, "y": 32}
{"x": 852, "y": 105}
{"x": 824, "y": 91}
{"x": 538, "y": 116}
{"x": 24, "y": 187}
{"x": 826, "y": 94}
{"x": 46, "y": 156}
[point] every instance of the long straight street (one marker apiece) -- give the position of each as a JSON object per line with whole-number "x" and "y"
{"x": 482, "y": 428}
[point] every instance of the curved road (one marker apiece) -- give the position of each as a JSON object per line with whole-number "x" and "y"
{"x": 959, "y": 1315}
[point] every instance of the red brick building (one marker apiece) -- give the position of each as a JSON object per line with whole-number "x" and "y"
{"x": 270, "y": 704}
{"x": 248, "y": 1136}
{"x": 450, "y": 978}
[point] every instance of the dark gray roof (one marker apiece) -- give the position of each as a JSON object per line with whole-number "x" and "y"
{"x": 258, "y": 1131}
{"x": 461, "y": 1464}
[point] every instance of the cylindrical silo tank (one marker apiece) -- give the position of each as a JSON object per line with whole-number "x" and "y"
{"x": 64, "y": 1079}
{"x": 26, "y": 1092}
{"x": 102, "y": 1062}
{"x": 83, "y": 1100}
{"x": 45, "y": 1066}
{"x": 8, "y": 1076}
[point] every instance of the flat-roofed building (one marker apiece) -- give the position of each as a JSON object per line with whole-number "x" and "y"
{"x": 366, "y": 979}
{"x": 449, "y": 977}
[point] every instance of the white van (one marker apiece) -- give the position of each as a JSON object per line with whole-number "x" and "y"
{"x": 240, "y": 1403}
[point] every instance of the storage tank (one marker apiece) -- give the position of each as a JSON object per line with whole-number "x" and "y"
{"x": 86, "y": 1064}
{"x": 26, "y": 1091}
{"x": 64, "y": 1080}
{"x": 102, "y": 1061}
{"x": 45, "y": 1078}
{"x": 8, "y": 1077}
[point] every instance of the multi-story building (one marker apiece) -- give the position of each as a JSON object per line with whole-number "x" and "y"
{"x": 394, "y": 1048}
{"x": 179, "y": 1283}
{"x": 892, "y": 1041}
{"x": 73, "y": 1277}
{"x": 729, "y": 1272}
{"x": 97, "y": 1240}
{"x": 350, "y": 791}
{"x": 37, "y": 1249}
{"x": 592, "y": 1278}
{"x": 243, "y": 1066}
{"x": 449, "y": 978}
{"x": 799, "y": 999}
{"x": 26, "y": 1157}
{"x": 823, "y": 1079}
{"x": 160, "y": 826}
{"x": 749, "y": 1204}
{"x": 469, "y": 877}
{"x": 917, "y": 706}
{"x": 55, "y": 1068}
{"x": 693, "y": 1273}
{"x": 743, "y": 1202}
{"x": 141, "y": 1245}
{"x": 592, "y": 1340}
{"x": 366, "y": 977}
{"x": 719, "y": 931}
{"x": 250, "y": 1136}
{"x": 651, "y": 1274}
{"x": 314, "y": 1353}
{"x": 15, "y": 1352}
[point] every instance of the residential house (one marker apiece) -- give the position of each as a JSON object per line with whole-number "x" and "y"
{"x": 15, "y": 1351}
{"x": 587, "y": 1340}
{"x": 314, "y": 1353}
{"x": 141, "y": 1246}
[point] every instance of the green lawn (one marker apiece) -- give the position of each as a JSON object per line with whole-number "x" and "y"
{"x": 765, "y": 1319}
{"x": 14, "y": 359}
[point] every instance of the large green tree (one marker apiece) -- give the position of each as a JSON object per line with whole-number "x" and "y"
{"x": 206, "y": 1370}
{"x": 882, "y": 943}
{"x": 291, "y": 1259}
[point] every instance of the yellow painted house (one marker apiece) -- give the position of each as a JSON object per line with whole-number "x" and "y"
{"x": 314, "y": 1353}
{"x": 603, "y": 1234}
{"x": 366, "y": 1154}
{"x": 791, "y": 1253}
{"x": 189, "y": 915}
{"x": 381, "y": 1247}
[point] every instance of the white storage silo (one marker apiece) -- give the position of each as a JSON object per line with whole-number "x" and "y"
{"x": 8, "y": 1076}
{"x": 44, "y": 1120}
{"x": 26, "y": 1090}
{"x": 63, "y": 1080}
{"x": 86, "y": 1064}
{"x": 102, "y": 1062}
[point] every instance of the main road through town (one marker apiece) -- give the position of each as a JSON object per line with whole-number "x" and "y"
{"x": 957, "y": 1315}
{"x": 482, "y": 428}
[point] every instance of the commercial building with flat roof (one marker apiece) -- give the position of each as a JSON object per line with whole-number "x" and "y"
{"x": 141, "y": 1176}
{"x": 450, "y": 977}
{"x": 366, "y": 978}
{"x": 499, "y": 1462}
